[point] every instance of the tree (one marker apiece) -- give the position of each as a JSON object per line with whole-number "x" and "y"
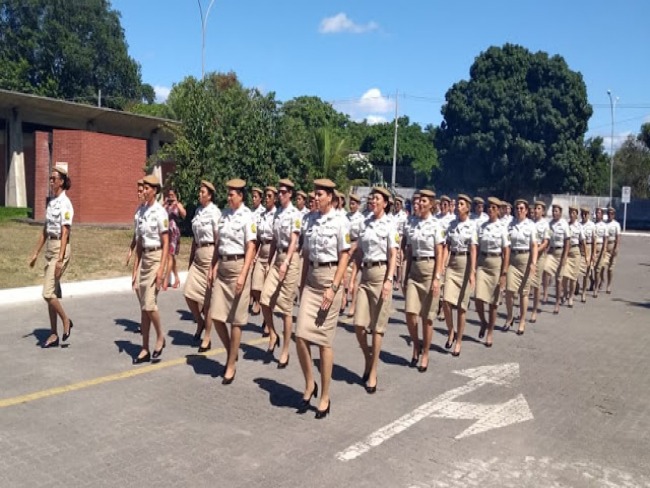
{"x": 632, "y": 165}
{"x": 597, "y": 167}
{"x": 517, "y": 126}
{"x": 68, "y": 49}
{"x": 314, "y": 113}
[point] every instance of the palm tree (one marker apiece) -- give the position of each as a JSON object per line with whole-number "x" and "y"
{"x": 329, "y": 154}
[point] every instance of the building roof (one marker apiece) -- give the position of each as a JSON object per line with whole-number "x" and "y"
{"x": 70, "y": 115}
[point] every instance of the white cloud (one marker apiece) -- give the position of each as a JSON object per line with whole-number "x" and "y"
{"x": 342, "y": 23}
{"x": 162, "y": 92}
{"x": 619, "y": 139}
{"x": 372, "y": 106}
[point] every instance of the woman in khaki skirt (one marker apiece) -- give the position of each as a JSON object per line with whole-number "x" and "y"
{"x": 261, "y": 261}
{"x": 326, "y": 251}
{"x": 423, "y": 253}
{"x": 493, "y": 260}
{"x": 235, "y": 249}
{"x": 523, "y": 264}
{"x": 599, "y": 257}
{"x": 152, "y": 235}
{"x": 378, "y": 245}
{"x": 280, "y": 286}
{"x": 56, "y": 233}
{"x": 556, "y": 258}
{"x": 586, "y": 268}
{"x": 571, "y": 269}
{"x": 205, "y": 228}
{"x": 543, "y": 235}
{"x": 460, "y": 276}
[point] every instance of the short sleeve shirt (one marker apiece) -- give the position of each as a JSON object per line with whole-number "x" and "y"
{"x": 152, "y": 222}
{"x": 327, "y": 236}
{"x": 576, "y": 233}
{"x": 236, "y": 229}
{"x": 356, "y": 221}
{"x": 559, "y": 232}
{"x": 400, "y": 222}
{"x": 205, "y": 224}
{"x": 377, "y": 237}
{"x": 493, "y": 237}
{"x": 522, "y": 234}
{"x": 461, "y": 235}
{"x": 600, "y": 232}
{"x": 287, "y": 222}
{"x": 59, "y": 213}
{"x": 424, "y": 235}
{"x": 613, "y": 231}
{"x": 542, "y": 230}
{"x": 589, "y": 230}
{"x": 265, "y": 225}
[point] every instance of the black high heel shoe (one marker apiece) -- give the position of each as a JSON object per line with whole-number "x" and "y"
{"x": 321, "y": 414}
{"x": 157, "y": 352}
{"x": 66, "y": 336}
{"x": 206, "y": 348}
{"x": 306, "y": 402}
{"x": 227, "y": 381}
{"x": 285, "y": 364}
{"x": 270, "y": 350}
{"x": 370, "y": 389}
{"x": 415, "y": 359}
{"x": 450, "y": 343}
{"x": 54, "y": 343}
{"x": 507, "y": 325}
{"x": 481, "y": 333}
{"x": 144, "y": 359}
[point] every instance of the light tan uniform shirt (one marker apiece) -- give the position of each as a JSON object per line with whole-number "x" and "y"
{"x": 236, "y": 229}
{"x": 59, "y": 213}
{"x": 287, "y": 221}
{"x": 492, "y": 237}
{"x": 424, "y": 235}
{"x": 151, "y": 222}
{"x": 327, "y": 235}
{"x": 205, "y": 224}
{"x": 377, "y": 237}
{"x": 461, "y": 235}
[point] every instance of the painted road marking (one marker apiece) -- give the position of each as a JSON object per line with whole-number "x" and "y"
{"x": 39, "y": 395}
{"x": 443, "y": 406}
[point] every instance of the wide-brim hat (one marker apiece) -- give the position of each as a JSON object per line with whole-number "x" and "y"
{"x": 427, "y": 193}
{"x": 466, "y": 198}
{"x": 208, "y": 185}
{"x": 286, "y": 182}
{"x": 236, "y": 184}
{"x": 494, "y": 201}
{"x": 151, "y": 180}
{"x": 540, "y": 203}
{"x": 325, "y": 183}
{"x": 382, "y": 191}
{"x": 478, "y": 200}
{"x": 355, "y": 198}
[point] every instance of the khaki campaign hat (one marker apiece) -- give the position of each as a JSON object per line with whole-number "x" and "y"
{"x": 151, "y": 180}
{"x": 237, "y": 184}
{"x": 464, "y": 197}
{"x": 586, "y": 210}
{"x": 302, "y": 194}
{"x": 518, "y": 201}
{"x": 382, "y": 191}
{"x": 257, "y": 189}
{"x": 557, "y": 205}
{"x": 286, "y": 182}
{"x": 355, "y": 197}
{"x": 208, "y": 185}
{"x": 325, "y": 183}
{"x": 540, "y": 203}
{"x": 59, "y": 168}
{"x": 573, "y": 208}
{"x": 494, "y": 201}
{"x": 445, "y": 198}
{"x": 271, "y": 188}
{"x": 399, "y": 198}
{"x": 427, "y": 193}
{"x": 478, "y": 200}
{"x": 140, "y": 182}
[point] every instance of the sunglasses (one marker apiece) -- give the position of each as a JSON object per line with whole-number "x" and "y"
{"x": 283, "y": 192}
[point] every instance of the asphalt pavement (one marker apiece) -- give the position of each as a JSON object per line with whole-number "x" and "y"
{"x": 565, "y": 405}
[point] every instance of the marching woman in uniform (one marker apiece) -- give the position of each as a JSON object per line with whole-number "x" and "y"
{"x": 56, "y": 233}
{"x": 557, "y": 255}
{"x": 493, "y": 260}
{"x": 205, "y": 229}
{"x": 152, "y": 234}
{"x": 460, "y": 277}
{"x": 571, "y": 268}
{"x": 424, "y": 253}
{"x": 280, "y": 285}
{"x": 523, "y": 264}
{"x": 261, "y": 260}
{"x": 326, "y": 251}
{"x": 599, "y": 257}
{"x": 586, "y": 269}
{"x": 175, "y": 211}
{"x": 231, "y": 264}
{"x": 378, "y": 245}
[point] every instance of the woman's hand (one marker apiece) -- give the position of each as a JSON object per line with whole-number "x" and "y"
{"x": 386, "y": 290}
{"x": 328, "y": 299}
{"x": 435, "y": 286}
{"x": 283, "y": 271}
{"x": 239, "y": 286}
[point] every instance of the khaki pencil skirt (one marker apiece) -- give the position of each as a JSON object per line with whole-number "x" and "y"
{"x": 488, "y": 273}
{"x": 457, "y": 290}
{"x": 148, "y": 293}
{"x": 536, "y": 279}
{"x": 585, "y": 261}
{"x": 553, "y": 259}
{"x": 603, "y": 262}
{"x": 279, "y": 295}
{"x": 315, "y": 325}
{"x": 419, "y": 299}
{"x": 571, "y": 268}
{"x": 518, "y": 278}
{"x": 225, "y": 306}
{"x": 372, "y": 311}
{"x": 611, "y": 260}
{"x": 52, "y": 285}
{"x": 261, "y": 268}
{"x": 196, "y": 285}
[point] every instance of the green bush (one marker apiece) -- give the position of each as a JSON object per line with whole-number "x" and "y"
{"x": 8, "y": 213}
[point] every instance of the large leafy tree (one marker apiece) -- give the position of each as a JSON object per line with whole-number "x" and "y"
{"x": 68, "y": 49}
{"x": 516, "y": 126}
{"x": 632, "y": 164}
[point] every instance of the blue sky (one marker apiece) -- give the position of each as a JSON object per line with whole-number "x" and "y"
{"x": 354, "y": 53}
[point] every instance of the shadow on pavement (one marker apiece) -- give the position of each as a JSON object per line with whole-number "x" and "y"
{"x": 339, "y": 373}
{"x": 41, "y": 336}
{"x": 204, "y": 365}
{"x": 181, "y": 338}
{"x": 280, "y": 395}
{"x": 252, "y": 353}
{"x": 129, "y": 325}
{"x": 128, "y": 347}
{"x": 185, "y": 315}
{"x": 390, "y": 358}
{"x": 632, "y": 304}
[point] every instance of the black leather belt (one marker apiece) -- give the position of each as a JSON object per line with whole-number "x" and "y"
{"x": 265, "y": 241}
{"x": 575, "y": 245}
{"x": 206, "y": 244}
{"x": 423, "y": 258}
{"x": 490, "y": 253}
{"x": 372, "y": 264}
{"x": 232, "y": 257}
{"x": 459, "y": 253}
{"x": 521, "y": 251}
{"x": 316, "y": 264}
{"x": 151, "y": 249}
{"x": 53, "y": 238}
{"x": 555, "y": 249}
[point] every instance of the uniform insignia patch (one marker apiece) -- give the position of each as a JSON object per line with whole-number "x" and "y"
{"x": 67, "y": 216}
{"x": 253, "y": 228}
{"x": 166, "y": 223}
{"x": 397, "y": 237}
{"x": 297, "y": 223}
{"x": 347, "y": 238}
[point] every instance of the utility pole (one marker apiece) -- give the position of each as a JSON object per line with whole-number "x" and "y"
{"x": 612, "y": 104}
{"x": 394, "y": 148}
{"x": 204, "y": 23}
{"x": 99, "y": 97}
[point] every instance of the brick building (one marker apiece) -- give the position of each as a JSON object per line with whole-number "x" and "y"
{"x": 105, "y": 150}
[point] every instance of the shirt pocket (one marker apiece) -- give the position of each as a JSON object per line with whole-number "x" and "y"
{"x": 327, "y": 236}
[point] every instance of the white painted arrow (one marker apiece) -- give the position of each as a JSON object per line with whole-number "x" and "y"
{"x": 487, "y": 417}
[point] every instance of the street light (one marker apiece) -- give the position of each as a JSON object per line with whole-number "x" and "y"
{"x": 612, "y": 104}
{"x": 204, "y": 22}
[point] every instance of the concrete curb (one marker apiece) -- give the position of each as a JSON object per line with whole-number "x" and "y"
{"x": 17, "y": 296}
